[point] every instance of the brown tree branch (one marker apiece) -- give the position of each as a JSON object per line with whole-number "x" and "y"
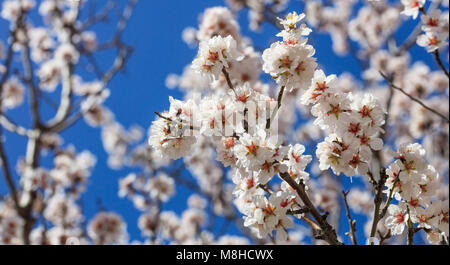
{"x": 34, "y": 102}
{"x": 275, "y": 111}
{"x": 413, "y": 98}
{"x": 67, "y": 70}
{"x": 377, "y": 201}
{"x": 227, "y": 77}
{"x": 384, "y": 237}
{"x": 410, "y": 229}
{"x": 123, "y": 54}
{"x": 351, "y": 222}
{"x": 439, "y": 62}
{"x": 15, "y": 128}
{"x": 7, "y": 173}
{"x": 328, "y": 233}
{"x": 102, "y": 15}
{"x": 4, "y": 121}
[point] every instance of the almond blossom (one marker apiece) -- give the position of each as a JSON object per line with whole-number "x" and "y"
{"x": 258, "y": 141}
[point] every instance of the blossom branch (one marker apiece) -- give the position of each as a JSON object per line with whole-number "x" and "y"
{"x": 102, "y": 15}
{"x": 13, "y": 127}
{"x": 29, "y": 79}
{"x": 436, "y": 52}
{"x": 302, "y": 210}
{"x": 389, "y": 199}
{"x": 162, "y": 116}
{"x": 411, "y": 40}
{"x": 67, "y": 69}
{"x": 227, "y": 77}
{"x": 377, "y": 201}
{"x": 275, "y": 111}
{"x": 269, "y": 15}
{"x": 413, "y": 98}
{"x": 351, "y": 222}
{"x": 123, "y": 55}
{"x": 124, "y": 52}
{"x": 231, "y": 216}
{"x": 384, "y": 237}
{"x": 32, "y": 146}
{"x": 328, "y": 233}
{"x": 410, "y": 229}
{"x": 439, "y": 62}
{"x": 7, "y": 173}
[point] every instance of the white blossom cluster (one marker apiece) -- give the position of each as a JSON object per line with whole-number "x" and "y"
{"x": 107, "y": 228}
{"x": 373, "y": 25}
{"x": 435, "y": 27}
{"x": 413, "y": 184}
{"x": 13, "y": 93}
{"x": 252, "y": 150}
{"x": 352, "y": 121}
{"x": 10, "y": 226}
{"x": 236, "y": 131}
{"x": 290, "y": 61}
{"x": 412, "y": 7}
{"x": 214, "y": 55}
{"x": 61, "y": 188}
{"x": 140, "y": 190}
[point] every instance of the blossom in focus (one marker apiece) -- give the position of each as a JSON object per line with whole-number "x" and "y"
{"x": 412, "y": 7}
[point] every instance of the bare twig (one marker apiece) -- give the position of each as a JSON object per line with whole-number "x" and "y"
{"x": 410, "y": 41}
{"x": 299, "y": 211}
{"x": 410, "y": 229}
{"x": 351, "y": 222}
{"x": 275, "y": 111}
{"x": 439, "y": 62}
{"x": 34, "y": 104}
{"x": 384, "y": 237}
{"x": 227, "y": 77}
{"x": 265, "y": 188}
{"x": 377, "y": 201}
{"x": 389, "y": 199}
{"x": 314, "y": 226}
{"x": 371, "y": 178}
{"x": 413, "y": 98}
{"x": 102, "y": 15}
{"x": 7, "y": 173}
{"x": 4, "y": 121}
{"x": 162, "y": 116}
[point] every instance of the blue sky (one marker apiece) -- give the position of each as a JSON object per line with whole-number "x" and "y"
{"x": 155, "y": 32}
